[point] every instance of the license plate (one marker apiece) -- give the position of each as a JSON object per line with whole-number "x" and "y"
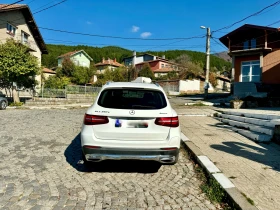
{"x": 137, "y": 125}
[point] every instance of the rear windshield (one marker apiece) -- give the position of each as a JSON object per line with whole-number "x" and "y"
{"x": 132, "y": 99}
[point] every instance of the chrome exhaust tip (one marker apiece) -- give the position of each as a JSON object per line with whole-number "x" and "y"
{"x": 167, "y": 159}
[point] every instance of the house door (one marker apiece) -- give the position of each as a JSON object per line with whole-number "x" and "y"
{"x": 250, "y": 71}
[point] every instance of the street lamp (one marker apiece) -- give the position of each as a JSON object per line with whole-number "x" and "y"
{"x": 208, "y": 36}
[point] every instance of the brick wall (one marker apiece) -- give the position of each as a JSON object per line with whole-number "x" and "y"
{"x": 271, "y": 68}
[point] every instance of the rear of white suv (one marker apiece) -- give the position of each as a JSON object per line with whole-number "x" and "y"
{"x": 131, "y": 121}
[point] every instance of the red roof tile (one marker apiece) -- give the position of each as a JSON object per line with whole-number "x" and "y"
{"x": 109, "y": 62}
{"x": 49, "y": 71}
{"x": 69, "y": 54}
{"x": 14, "y": 6}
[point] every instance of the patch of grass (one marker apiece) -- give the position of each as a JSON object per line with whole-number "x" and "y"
{"x": 248, "y": 199}
{"x": 212, "y": 189}
{"x": 16, "y": 104}
{"x": 215, "y": 114}
{"x": 198, "y": 104}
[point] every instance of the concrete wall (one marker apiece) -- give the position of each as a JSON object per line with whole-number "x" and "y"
{"x": 189, "y": 86}
{"x": 223, "y": 85}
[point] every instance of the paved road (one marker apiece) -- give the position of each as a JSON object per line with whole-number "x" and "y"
{"x": 41, "y": 168}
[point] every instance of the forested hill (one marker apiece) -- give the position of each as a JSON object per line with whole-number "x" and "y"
{"x": 97, "y": 53}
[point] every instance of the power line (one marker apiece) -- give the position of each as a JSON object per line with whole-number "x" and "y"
{"x": 159, "y": 46}
{"x": 116, "y": 37}
{"x": 44, "y": 5}
{"x": 219, "y": 43}
{"x": 49, "y": 7}
{"x": 254, "y": 14}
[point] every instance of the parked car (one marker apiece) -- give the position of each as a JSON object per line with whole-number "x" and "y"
{"x": 3, "y": 102}
{"x": 131, "y": 121}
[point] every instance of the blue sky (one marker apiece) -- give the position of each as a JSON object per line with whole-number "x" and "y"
{"x": 146, "y": 19}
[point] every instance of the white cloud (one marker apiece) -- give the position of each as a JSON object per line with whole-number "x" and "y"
{"x": 146, "y": 34}
{"x": 135, "y": 29}
{"x": 89, "y": 23}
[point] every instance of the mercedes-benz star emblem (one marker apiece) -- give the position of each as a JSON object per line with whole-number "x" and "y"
{"x": 132, "y": 112}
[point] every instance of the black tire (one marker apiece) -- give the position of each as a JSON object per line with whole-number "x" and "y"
{"x": 3, "y": 105}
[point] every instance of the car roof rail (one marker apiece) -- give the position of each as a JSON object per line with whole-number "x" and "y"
{"x": 108, "y": 83}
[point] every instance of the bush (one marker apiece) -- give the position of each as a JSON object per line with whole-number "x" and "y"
{"x": 16, "y": 104}
{"x": 146, "y": 71}
{"x": 55, "y": 82}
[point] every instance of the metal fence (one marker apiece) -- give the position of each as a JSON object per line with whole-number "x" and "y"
{"x": 75, "y": 89}
{"x": 70, "y": 89}
{"x": 170, "y": 88}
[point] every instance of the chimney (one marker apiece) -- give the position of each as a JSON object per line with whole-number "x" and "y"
{"x": 163, "y": 57}
{"x": 134, "y": 59}
{"x": 109, "y": 60}
{"x": 115, "y": 60}
{"x": 103, "y": 60}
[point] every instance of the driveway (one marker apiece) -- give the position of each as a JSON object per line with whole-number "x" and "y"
{"x": 41, "y": 168}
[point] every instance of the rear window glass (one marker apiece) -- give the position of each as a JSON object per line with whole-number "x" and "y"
{"x": 132, "y": 99}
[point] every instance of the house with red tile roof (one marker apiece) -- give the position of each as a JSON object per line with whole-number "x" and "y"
{"x": 160, "y": 66}
{"x": 79, "y": 58}
{"x": 109, "y": 64}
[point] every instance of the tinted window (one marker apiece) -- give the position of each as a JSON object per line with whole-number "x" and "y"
{"x": 129, "y": 98}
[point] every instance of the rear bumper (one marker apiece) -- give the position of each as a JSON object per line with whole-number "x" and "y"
{"x": 99, "y": 154}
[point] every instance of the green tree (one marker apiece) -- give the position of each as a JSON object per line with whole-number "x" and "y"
{"x": 146, "y": 71}
{"x": 172, "y": 75}
{"x": 56, "y": 82}
{"x": 82, "y": 75}
{"x": 17, "y": 65}
{"x": 68, "y": 67}
{"x": 118, "y": 75}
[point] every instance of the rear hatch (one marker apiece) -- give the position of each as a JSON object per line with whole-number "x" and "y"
{"x": 131, "y": 115}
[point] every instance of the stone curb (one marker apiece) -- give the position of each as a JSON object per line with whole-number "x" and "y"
{"x": 195, "y": 115}
{"x": 52, "y": 107}
{"x": 233, "y": 193}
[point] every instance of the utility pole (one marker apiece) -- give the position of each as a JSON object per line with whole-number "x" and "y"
{"x": 206, "y": 85}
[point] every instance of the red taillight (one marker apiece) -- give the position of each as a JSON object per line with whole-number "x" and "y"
{"x": 95, "y": 120}
{"x": 167, "y": 121}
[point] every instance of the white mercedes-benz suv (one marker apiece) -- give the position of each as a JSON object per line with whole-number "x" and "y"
{"x": 131, "y": 120}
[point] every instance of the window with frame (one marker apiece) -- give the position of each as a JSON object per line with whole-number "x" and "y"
{"x": 246, "y": 45}
{"x": 250, "y": 71}
{"x": 11, "y": 29}
{"x": 162, "y": 65}
{"x": 24, "y": 37}
{"x": 253, "y": 43}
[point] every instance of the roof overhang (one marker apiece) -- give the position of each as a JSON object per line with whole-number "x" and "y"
{"x": 240, "y": 34}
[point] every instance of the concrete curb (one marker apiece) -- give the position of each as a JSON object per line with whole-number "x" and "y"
{"x": 52, "y": 107}
{"x": 235, "y": 196}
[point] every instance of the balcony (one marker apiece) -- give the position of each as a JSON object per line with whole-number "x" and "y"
{"x": 32, "y": 46}
{"x": 252, "y": 51}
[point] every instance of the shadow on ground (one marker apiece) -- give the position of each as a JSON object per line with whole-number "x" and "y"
{"x": 267, "y": 154}
{"x": 73, "y": 155}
